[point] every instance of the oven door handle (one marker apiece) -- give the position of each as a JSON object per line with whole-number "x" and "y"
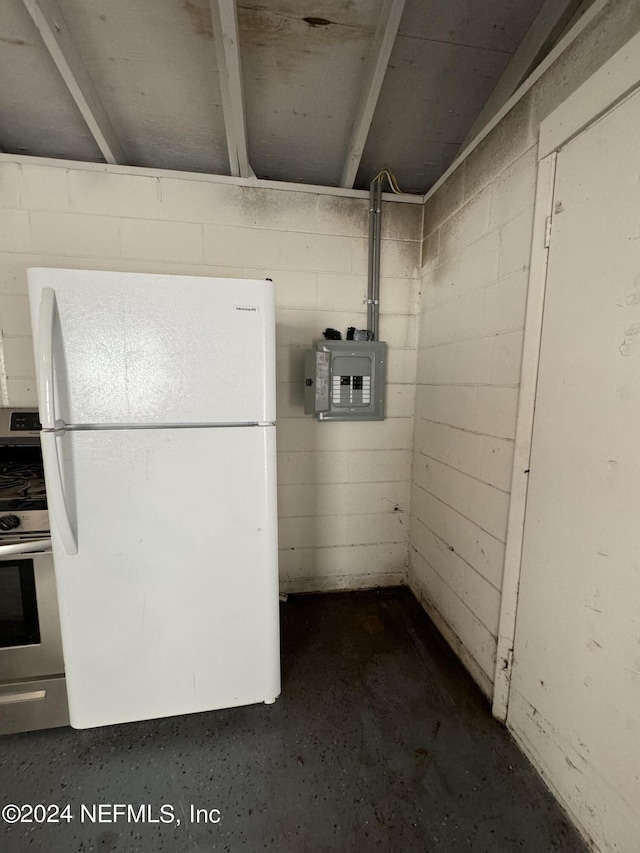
{"x": 44, "y": 366}
{"x": 25, "y": 547}
{"x": 55, "y": 491}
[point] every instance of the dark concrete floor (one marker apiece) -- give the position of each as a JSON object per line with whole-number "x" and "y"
{"x": 380, "y": 741}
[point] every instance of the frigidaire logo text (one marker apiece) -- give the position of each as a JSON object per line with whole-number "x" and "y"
{"x": 246, "y": 308}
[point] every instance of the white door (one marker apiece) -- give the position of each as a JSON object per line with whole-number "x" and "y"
{"x": 128, "y": 348}
{"x": 575, "y": 690}
{"x": 171, "y": 603}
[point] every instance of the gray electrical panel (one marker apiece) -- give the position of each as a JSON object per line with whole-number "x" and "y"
{"x": 344, "y": 380}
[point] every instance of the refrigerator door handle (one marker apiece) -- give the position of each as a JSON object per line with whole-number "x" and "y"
{"x": 44, "y": 366}
{"x": 55, "y": 489}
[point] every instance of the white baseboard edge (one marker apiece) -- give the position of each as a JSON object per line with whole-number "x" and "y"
{"x": 475, "y": 670}
{"x": 529, "y": 751}
{"x": 342, "y": 583}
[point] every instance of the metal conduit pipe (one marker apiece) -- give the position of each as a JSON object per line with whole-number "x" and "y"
{"x": 376, "y": 278}
{"x": 375, "y": 231}
{"x": 370, "y": 264}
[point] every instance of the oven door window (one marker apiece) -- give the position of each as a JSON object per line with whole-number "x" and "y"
{"x": 18, "y": 604}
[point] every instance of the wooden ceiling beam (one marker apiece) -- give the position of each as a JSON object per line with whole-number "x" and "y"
{"x": 378, "y": 61}
{"x": 546, "y": 28}
{"x": 47, "y": 17}
{"x": 224, "y": 15}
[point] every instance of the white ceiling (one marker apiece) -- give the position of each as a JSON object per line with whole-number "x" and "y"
{"x": 154, "y": 68}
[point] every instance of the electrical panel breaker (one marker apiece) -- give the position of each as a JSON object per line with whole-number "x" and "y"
{"x": 344, "y": 380}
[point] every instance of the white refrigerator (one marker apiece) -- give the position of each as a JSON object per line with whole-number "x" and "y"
{"x": 157, "y": 402}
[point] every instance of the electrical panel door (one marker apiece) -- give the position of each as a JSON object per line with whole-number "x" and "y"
{"x": 344, "y": 380}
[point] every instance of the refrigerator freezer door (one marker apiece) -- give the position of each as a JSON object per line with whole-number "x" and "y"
{"x": 170, "y": 605}
{"x": 138, "y": 349}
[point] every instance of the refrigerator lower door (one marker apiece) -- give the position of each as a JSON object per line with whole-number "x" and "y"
{"x": 170, "y": 605}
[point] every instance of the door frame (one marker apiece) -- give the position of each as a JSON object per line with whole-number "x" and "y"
{"x": 615, "y": 81}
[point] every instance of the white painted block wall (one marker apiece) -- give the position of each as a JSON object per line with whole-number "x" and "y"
{"x": 344, "y": 489}
{"x": 476, "y": 256}
{"x": 477, "y": 244}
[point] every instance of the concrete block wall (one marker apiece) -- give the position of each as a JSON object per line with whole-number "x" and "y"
{"x": 477, "y": 244}
{"x": 344, "y": 489}
{"x": 475, "y": 268}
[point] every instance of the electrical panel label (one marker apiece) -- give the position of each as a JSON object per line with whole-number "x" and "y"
{"x": 322, "y": 381}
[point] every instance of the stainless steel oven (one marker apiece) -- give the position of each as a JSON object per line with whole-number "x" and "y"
{"x": 32, "y": 685}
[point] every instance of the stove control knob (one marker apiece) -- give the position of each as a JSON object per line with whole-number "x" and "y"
{"x": 9, "y": 522}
